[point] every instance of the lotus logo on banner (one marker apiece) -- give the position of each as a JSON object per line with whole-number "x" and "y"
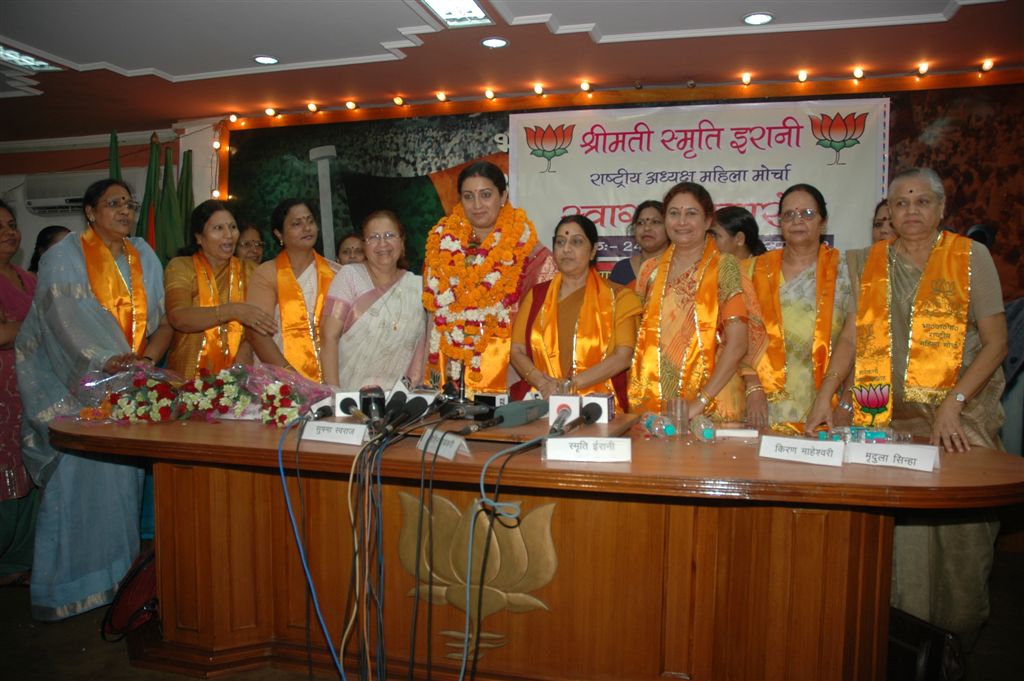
{"x": 838, "y": 133}
{"x": 549, "y": 143}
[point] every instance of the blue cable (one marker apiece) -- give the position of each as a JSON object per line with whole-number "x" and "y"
{"x": 302, "y": 549}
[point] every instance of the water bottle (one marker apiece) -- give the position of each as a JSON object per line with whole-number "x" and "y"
{"x": 703, "y": 428}
{"x": 657, "y": 425}
{"x": 863, "y": 434}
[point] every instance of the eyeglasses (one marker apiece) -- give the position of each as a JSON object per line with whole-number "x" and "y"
{"x": 117, "y": 204}
{"x": 804, "y": 214}
{"x": 251, "y": 244}
{"x": 381, "y": 236}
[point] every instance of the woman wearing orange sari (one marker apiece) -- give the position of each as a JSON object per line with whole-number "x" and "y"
{"x": 577, "y": 329}
{"x": 291, "y": 288}
{"x": 205, "y": 293}
{"x": 693, "y": 333}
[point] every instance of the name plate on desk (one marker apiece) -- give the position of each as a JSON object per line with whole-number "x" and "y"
{"x": 913, "y": 457}
{"x": 339, "y": 432}
{"x": 802, "y": 450}
{"x": 444, "y": 444}
{"x": 591, "y": 449}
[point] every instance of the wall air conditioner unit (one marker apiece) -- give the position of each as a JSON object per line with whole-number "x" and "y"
{"x": 53, "y": 194}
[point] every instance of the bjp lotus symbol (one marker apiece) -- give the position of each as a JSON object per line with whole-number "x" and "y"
{"x": 873, "y": 398}
{"x": 838, "y": 132}
{"x": 549, "y": 143}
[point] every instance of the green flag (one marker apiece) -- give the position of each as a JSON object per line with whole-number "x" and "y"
{"x": 147, "y": 214}
{"x": 185, "y": 200}
{"x": 114, "y": 157}
{"x": 170, "y": 229}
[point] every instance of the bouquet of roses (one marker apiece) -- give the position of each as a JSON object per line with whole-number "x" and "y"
{"x": 217, "y": 395}
{"x": 141, "y": 394}
{"x": 283, "y": 395}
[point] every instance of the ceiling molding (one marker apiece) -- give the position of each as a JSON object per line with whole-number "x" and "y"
{"x": 85, "y": 141}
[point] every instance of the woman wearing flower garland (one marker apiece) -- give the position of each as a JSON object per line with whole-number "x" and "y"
{"x": 205, "y": 293}
{"x": 576, "y": 329}
{"x": 691, "y": 300}
{"x": 292, "y": 288}
{"x": 479, "y": 262}
{"x": 99, "y": 305}
{"x": 374, "y": 326}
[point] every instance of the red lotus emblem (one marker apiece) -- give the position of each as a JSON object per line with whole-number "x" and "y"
{"x": 549, "y": 143}
{"x": 838, "y": 132}
{"x": 873, "y": 398}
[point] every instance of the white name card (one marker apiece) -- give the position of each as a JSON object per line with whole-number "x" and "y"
{"x": 590, "y": 449}
{"x": 444, "y": 445}
{"x": 913, "y": 457}
{"x": 339, "y": 432}
{"x": 738, "y": 433}
{"x": 802, "y": 450}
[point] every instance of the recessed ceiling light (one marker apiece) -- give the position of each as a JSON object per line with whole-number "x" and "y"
{"x": 441, "y": 96}
{"x": 233, "y": 118}
{"x": 215, "y": 193}
{"x": 987, "y": 65}
{"x": 269, "y": 111}
{"x": 494, "y": 42}
{"x": 398, "y": 100}
{"x": 538, "y": 88}
{"x": 858, "y": 73}
{"x": 350, "y": 105}
{"x": 585, "y": 86}
{"x": 745, "y": 78}
{"x": 264, "y": 59}
{"x": 801, "y": 76}
{"x": 458, "y": 13}
{"x": 922, "y": 68}
{"x": 758, "y": 19}
{"x": 24, "y": 61}
{"x": 312, "y": 107}
{"x": 489, "y": 93}
{"x": 216, "y": 144}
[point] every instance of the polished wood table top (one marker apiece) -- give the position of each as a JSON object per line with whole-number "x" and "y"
{"x": 728, "y": 471}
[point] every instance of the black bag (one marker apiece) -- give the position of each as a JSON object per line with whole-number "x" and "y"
{"x": 920, "y": 651}
{"x": 135, "y": 602}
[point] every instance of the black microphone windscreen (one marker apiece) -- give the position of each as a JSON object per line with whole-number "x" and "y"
{"x": 323, "y": 412}
{"x": 591, "y": 413}
{"x": 348, "y": 405}
{"x": 396, "y": 402}
{"x": 520, "y": 413}
{"x": 415, "y": 407}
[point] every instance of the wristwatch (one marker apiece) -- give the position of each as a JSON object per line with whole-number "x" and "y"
{"x": 960, "y": 397}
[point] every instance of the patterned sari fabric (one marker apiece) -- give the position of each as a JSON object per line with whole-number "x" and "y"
{"x": 383, "y": 329}
{"x": 941, "y": 563}
{"x": 87, "y": 533}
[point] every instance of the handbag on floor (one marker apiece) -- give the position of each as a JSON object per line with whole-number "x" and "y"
{"x": 135, "y": 602}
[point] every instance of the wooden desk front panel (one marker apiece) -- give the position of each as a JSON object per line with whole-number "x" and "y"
{"x": 645, "y": 588}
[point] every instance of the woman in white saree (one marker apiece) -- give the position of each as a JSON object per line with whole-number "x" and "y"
{"x": 374, "y": 325}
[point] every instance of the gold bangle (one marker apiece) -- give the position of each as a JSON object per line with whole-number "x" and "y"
{"x": 705, "y": 399}
{"x": 754, "y": 388}
{"x": 834, "y": 374}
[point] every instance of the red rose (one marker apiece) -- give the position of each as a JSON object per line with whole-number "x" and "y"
{"x": 286, "y": 402}
{"x": 219, "y": 383}
{"x": 139, "y": 382}
{"x": 285, "y": 390}
{"x": 222, "y": 408}
{"x": 165, "y": 412}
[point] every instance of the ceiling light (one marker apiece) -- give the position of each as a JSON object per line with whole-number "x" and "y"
{"x": 801, "y": 76}
{"x": 745, "y": 78}
{"x": 987, "y": 65}
{"x": 270, "y": 111}
{"x": 758, "y": 19}
{"x": 216, "y": 144}
{"x": 233, "y": 118}
{"x": 922, "y": 68}
{"x": 441, "y": 96}
{"x": 350, "y": 105}
{"x": 215, "y": 193}
{"x": 312, "y": 107}
{"x": 24, "y": 61}
{"x": 489, "y": 93}
{"x": 494, "y": 42}
{"x": 858, "y": 73}
{"x": 585, "y": 86}
{"x": 264, "y": 59}
{"x": 458, "y": 13}
{"x": 538, "y": 88}
{"x": 398, "y": 100}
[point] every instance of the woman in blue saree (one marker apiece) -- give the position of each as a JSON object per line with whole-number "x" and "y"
{"x": 99, "y": 304}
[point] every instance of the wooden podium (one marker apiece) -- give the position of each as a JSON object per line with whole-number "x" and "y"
{"x": 692, "y": 562}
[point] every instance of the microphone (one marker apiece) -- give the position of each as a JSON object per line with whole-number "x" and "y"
{"x": 589, "y": 414}
{"x": 511, "y": 415}
{"x": 323, "y": 412}
{"x": 350, "y": 408}
{"x": 564, "y": 412}
{"x": 461, "y": 411}
{"x": 394, "y": 407}
{"x": 412, "y": 411}
{"x": 371, "y": 403}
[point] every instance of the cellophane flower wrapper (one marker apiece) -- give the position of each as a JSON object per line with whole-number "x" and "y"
{"x": 220, "y": 395}
{"x": 283, "y": 395}
{"x": 142, "y": 394}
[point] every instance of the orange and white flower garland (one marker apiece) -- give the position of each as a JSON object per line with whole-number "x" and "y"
{"x": 469, "y": 289}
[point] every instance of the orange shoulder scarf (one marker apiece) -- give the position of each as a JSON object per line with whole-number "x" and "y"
{"x": 300, "y": 335}
{"x": 595, "y": 330}
{"x": 767, "y": 277}
{"x": 699, "y": 358}
{"x": 126, "y": 301}
{"x": 938, "y": 329}
{"x": 220, "y": 343}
